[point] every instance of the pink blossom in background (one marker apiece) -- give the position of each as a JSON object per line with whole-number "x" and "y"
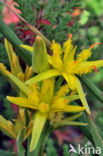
{"x": 13, "y": 144}
{"x": 9, "y": 17}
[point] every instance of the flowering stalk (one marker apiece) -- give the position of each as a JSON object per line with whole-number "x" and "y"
{"x": 41, "y": 102}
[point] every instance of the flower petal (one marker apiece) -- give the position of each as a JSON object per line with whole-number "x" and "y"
{"x": 70, "y": 80}
{"x": 84, "y": 55}
{"x": 67, "y": 108}
{"x": 85, "y": 67}
{"x": 23, "y": 102}
{"x": 43, "y": 76}
{"x": 7, "y": 127}
{"x": 13, "y": 59}
{"x": 39, "y": 122}
{"x": 82, "y": 96}
{"x": 14, "y": 79}
{"x": 71, "y": 97}
{"x": 29, "y": 48}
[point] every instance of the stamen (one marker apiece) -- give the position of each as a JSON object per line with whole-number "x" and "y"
{"x": 95, "y": 68}
{"x": 44, "y": 105}
{"x": 70, "y": 35}
{"x": 92, "y": 46}
{"x": 53, "y": 41}
{"x": 75, "y": 61}
{"x": 29, "y": 92}
{"x": 67, "y": 101}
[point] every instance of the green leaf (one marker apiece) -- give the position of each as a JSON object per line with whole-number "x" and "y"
{"x": 65, "y": 150}
{"x": 51, "y": 149}
{"x": 7, "y": 153}
{"x": 20, "y": 139}
{"x": 92, "y": 87}
{"x": 14, "y": 40}
{"x": 73, "y": 117}
{"x": 70, "y": 123}
{"x": 95, "y": 134}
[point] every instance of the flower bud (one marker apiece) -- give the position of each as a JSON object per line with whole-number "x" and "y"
{"x": 39, "y": 56}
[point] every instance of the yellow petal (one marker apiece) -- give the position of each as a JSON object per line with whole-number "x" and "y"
{"x": 62, "y": 91}
{"x": 43, "y": 76}
{"x": 82, "y": 96}
{"x": 67, "y": 47}
{"x": 70, "y": 56}
{"x": 56, "y": 48}
{"x": 9, "y": 50}
{"x": 29, "y": 48}
{"x": 13, "y": 59}
{"x": 14, "y": 79}
{"x": 84, "y": 55}
{"x": 28, "y": 73}
{"x": 71, "y": 97}
{"x": 3, "y": 70}
{"x": 85, "y": 67}
{"x": 67, "y": 108}
{"x": 7, "y": 127}
{"x": 70, "y": 80}
{"x": 39, "y": 122}
{"x": 47, "y": 90}
{"x": 23, "y": 102}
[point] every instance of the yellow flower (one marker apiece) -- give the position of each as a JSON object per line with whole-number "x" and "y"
{"x": 63, "y": 63}
{"x": 16, "y": 76}
{"x": 46, "y": 103}
{"x": 15, "y": 64}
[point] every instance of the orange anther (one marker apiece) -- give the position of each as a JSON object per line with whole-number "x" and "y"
{"x": 29, "y": 92}
{"x": 70, "y": 35}
{"x": 75, "y": 61}
{"x": 67, "y": 101}
{"x": 95, "y": 68}
{"x": 44, "y": 105}
{"x": 92, "y": 46}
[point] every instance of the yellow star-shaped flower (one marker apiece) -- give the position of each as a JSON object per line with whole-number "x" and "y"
{"x": 63, "y": 63}
{"x": 46, "y": 103}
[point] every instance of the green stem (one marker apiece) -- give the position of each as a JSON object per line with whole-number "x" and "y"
{"x": 42, "y": 143}
{"x": 95, "y": 134}
{"x": 95, "y": 90}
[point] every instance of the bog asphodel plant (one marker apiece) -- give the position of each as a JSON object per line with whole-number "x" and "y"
{"x": 43, "y": 100}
